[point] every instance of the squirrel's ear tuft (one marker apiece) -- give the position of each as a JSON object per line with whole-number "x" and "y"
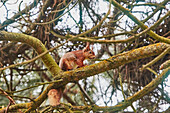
{"x": 87, "y": 48}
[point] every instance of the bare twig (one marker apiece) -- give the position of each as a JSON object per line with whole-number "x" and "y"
{"x": 49, "y": 22}
{"x": 120, "y": 77}
{"x": 95, "y": 27}
{"x": 9, "y": 98}
{"x": 85, "y": 94}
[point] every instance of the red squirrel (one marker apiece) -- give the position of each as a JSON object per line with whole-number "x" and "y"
{"x": 70, "y": 61}
{"x": 74, "y": 59}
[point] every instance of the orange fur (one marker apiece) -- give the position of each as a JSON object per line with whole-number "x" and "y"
{"x": 74, "y": 59}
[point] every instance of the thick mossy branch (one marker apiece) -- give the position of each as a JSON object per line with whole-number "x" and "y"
{"x": 114, "y": 62}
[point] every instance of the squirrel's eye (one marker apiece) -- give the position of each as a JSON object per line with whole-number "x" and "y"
{"x": 90, "y": 52}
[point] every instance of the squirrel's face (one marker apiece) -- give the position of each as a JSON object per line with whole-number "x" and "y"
{"x": 89, "y": 54}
